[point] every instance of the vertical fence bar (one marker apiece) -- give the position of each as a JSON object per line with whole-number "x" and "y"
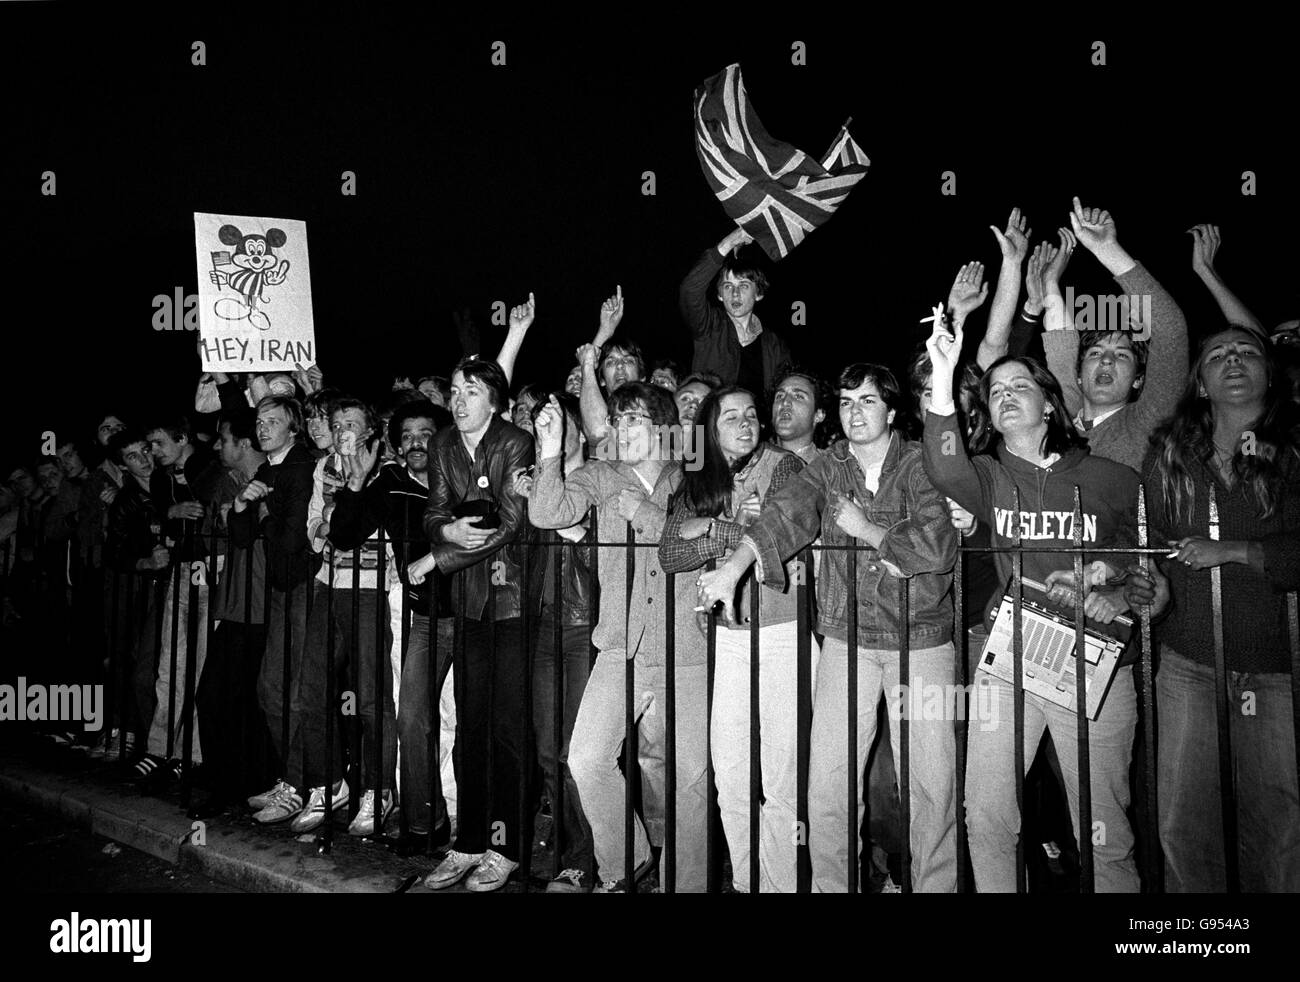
{"x": 433, "y": 763}
{"x": 1018, "y": 688}
{"x": 526, "y": 685}
{"x": 668, "y": 877}
{"x": 904, "y": 741}
{"x": 286, "y": 679}
{"x": 558, "y": 664}
{"x": 1086, "y": 881}
{"x": 383, "y": 670}
{"x": 629, "y": 731}
{"x": 191, "y": 658}
{"x": 1227, "y": 786}
{"x": 174, "y": 654}
{"x": 115, "y": 691}
{"x": 1151, "y": 847}
{"x": 961, "y": 645}
{"x": 326, "y": 838}
{"x": 351, "y": 761}
{"x": 712, "y": 884}
{"x": 854, "y": 767}
{"x": 803, "y": 722}
{"x": 755, "y": 735}
{"x": 1293, "y": 623}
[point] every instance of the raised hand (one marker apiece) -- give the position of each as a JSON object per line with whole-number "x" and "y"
{"x": 357, "y": 466}
{"x": 587, "y": 355}
{"x": 1039, "y": 259}
{"x": 548, "y": 429}
{"x": 611, "y": 314}
{"x": 1014, "y": 242}
{"x": 1205, "y": 246}
{"x": 734, "y": 240}
{"x": 1060, "y": 259}
{"x": 1094, "y": 227}
{"x": 969, "y": 291}
{"x": 945, "y": 350}
{"x": 521, "y": 317}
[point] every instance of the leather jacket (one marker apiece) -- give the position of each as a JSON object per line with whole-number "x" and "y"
{"x": 493, "y": 570}
{"x": 580, "y": 595}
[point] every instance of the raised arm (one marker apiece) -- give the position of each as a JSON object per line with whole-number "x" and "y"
{"x": 1060, "y": 340}
{"x": 1205, "y": 246}
{"x": 521, "y": 318}
{"x": 1014, "y": 243}
{"x": 947, "y": 464}
{"x": 693, "y": 294}
{"x": 595, "y": 421}
{"x": 611, "y": 315}
{"x": 557, "y": 501}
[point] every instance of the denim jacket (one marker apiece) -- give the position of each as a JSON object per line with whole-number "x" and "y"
{"x": 920, "y": 542}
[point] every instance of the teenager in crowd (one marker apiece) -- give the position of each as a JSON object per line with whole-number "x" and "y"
{"x": 738, "y": 475}
{"x": 275, "y": 503}
{"x": 1119, "y": 383}
{"x": 868, "y": 490}
{"x": 800, "y": 404}
{"x": 1037, "y": 452}
{"x": 632, "y": 490}
{"x": 1233, "y": 435}
{"x": 717, "y": 299}
{"x": 474, "y": 520}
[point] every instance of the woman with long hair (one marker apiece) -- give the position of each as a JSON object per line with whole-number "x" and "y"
{"x": 1234, "y": 436}
{"x": 708, "y": 518}
{"x": 1036, "y": 452}
{"x": 869, "y": 492}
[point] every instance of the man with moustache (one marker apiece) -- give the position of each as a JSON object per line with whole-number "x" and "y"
{"x": 396, "y": 499}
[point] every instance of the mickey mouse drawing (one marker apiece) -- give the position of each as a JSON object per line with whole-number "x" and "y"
{"x": 256, "y": 267}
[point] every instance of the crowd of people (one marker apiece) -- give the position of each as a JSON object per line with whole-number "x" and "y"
{"x": 430, "y": 603}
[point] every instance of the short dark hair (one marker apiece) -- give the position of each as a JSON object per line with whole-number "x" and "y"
{"x": 242, "y": 424}
{"x": 666, "y": 365}
{"x": 621, "y": 342}
{"x": 861, "y": 372}
{"x": 534, "y": 391}
{"x": 119, "y": 441}
{"x": 344, "y": 403}
{"x": 421, "y": 409}
{"x": 289, "y": 404}
{"x": 656, "y": 400}
{"x": 1140, "y": 347}
{"x": 486, "y": 372}
{"x": 747, "y": 263}
{"x": 823, "y": 399}
{"x": 174, "y": 426}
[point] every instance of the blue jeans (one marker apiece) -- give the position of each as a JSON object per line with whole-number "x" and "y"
{"x": 1262, "y": 738}
{"x": 416, "y": 712}
{"x": 992, "y": 818}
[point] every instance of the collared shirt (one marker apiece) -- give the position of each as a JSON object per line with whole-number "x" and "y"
{"x": 1084, "y": 425}
{"x": 277, "y": 458}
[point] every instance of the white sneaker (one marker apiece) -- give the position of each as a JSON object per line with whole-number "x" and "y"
{"x": 260, "y": 801}
{"x": 453, "y": 868}
{"x": 364, "y": 823}
{"x": 492, "y": 872}
{"x": 284, "y": 804}
{"x": 314, "y": 814}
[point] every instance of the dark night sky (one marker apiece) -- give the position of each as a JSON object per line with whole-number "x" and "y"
{"x": 477, "y": 183}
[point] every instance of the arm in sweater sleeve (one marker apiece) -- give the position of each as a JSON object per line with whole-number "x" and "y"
{"x": 951, "y": 470}
{"x": 693, "y": 295}
{"x": 1166, "y": 371}
{"x": 1061, "y": 346}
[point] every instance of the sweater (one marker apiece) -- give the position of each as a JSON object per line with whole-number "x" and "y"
{"x": 1124, "y": 435}
{"x": 986, "y": 485}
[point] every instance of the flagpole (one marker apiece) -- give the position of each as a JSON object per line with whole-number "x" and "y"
{"x": 844, "y": 128}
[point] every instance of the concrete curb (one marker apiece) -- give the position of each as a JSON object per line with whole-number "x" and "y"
{"x": 230, "y": 854}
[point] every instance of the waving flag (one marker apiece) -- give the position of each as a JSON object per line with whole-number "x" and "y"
{"x": 776, "y": 193}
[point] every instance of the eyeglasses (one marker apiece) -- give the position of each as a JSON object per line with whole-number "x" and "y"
{"x": 628, "y": 419}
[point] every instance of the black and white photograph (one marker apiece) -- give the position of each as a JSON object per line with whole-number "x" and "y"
{"x": 707, "y": 451}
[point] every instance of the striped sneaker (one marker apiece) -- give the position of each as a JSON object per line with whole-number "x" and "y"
{"x": 145, "y": 766}
{"x": 284, "y": 804}
{"x": 314, "y": 814}
{"x": 260, "y": 801}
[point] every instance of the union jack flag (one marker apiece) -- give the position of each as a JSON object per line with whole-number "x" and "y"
{"x": 775, "y": 192}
